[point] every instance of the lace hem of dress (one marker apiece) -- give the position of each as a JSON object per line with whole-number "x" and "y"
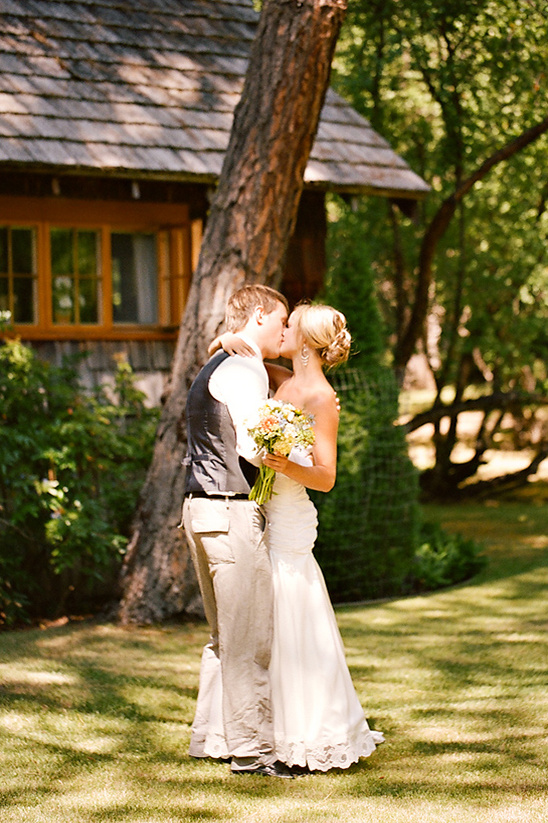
{"x": 322, "y": 757}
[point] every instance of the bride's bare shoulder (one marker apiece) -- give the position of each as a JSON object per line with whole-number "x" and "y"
{"x": 323, "y": 398}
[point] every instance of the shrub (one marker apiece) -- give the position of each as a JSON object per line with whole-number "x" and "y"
{"x": 442, "y": 559}
{"x": 370, "y": 540}
{"x": 71, "y": 466}
{"x": 369, "y": 523}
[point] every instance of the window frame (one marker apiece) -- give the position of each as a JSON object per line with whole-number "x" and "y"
{"x": 175, "y": 253}
{"x": 11, "y": 274}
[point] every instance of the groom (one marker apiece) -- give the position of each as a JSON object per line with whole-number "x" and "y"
{"x": 225, "y": 532}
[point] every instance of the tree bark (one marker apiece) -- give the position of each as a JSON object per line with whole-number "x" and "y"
{"x": 435, "y": 231}
{"x": 249, "y": 226}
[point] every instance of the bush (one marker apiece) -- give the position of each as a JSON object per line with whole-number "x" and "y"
{"x": 369, "y": 523}
{"x": 71, "y": 466}
{"x": 370, "y": 540}
{"x": 443, "y": 559}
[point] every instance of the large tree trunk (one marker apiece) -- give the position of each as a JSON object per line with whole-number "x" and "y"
{"x": 249, "y": 226}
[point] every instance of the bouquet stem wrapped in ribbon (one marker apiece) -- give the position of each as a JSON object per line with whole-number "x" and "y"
{"x": 279, "y": 427}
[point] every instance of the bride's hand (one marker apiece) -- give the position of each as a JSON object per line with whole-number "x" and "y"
{"x": 231, "y": 344}
{"x": 278, "y": 462}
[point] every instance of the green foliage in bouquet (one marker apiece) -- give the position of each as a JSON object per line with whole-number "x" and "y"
{"x": 71, "y": 466}
{"x": 278, "y": 427}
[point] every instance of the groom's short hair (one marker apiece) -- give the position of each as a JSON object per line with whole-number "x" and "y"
{"x": 243, "y": 303}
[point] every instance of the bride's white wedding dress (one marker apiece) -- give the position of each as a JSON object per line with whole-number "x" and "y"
{"x": 318, "y": 719}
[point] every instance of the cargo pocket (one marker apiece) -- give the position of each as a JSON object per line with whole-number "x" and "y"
{"x": 210, "y": 522}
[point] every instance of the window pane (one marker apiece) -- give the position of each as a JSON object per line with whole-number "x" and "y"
{"x": 4, "y": 294}
{"x": 88, "y": 301}
{"x": 61, "y": 251}
{"x": 87, "y": 252}
{"x": 75, "y": 257}
{"x": 23, "y": 299}
{"x": 17, "y": 257}
{"x": 3, "y": 250}
{"x": 22, "y": 251}
{"x": 63, "y": 300}
{"x": 134, "y": 278}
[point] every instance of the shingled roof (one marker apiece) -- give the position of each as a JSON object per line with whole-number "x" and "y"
{"x": 148, "y": 87}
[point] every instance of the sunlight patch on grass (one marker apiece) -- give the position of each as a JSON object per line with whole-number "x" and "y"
{"x": 28, "y": 675}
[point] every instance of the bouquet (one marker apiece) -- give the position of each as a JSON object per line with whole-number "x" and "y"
{"x": 279, "y": 427}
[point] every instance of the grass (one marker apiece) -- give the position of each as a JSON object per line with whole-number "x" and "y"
{"x": 95, "y": 719}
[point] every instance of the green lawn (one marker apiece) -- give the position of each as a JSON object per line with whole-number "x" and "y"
{"x": 94, "y": 719}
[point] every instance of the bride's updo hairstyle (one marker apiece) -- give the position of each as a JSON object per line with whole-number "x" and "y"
{"x": 324, "y": 330}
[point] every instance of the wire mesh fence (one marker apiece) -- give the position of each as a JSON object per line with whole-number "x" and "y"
{"x": 369, "y": 523}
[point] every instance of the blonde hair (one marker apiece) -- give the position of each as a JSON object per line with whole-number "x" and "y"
{"x": 324, "y": 330}
{"x": 243, "y": 303}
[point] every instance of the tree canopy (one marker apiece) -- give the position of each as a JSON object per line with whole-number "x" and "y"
{"x": 460, "y": 90}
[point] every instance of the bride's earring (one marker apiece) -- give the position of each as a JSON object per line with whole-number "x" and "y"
{"x": 305, "y": 355}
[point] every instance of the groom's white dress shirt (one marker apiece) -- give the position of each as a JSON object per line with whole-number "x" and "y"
{"x": 242, "y": 384}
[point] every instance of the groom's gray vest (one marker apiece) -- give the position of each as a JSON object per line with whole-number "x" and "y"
{"x": 212, "y": 464}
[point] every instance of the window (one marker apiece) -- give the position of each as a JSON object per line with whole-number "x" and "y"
{"x": 18, "y": 273}
{"x": 134, "y": 263}
{"x": 75, "y": 273}
{"x": 98, "y": 269}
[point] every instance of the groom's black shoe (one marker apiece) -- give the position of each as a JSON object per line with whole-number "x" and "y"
{"x": 277, "y": 769}
{"x": 299, "y": 771}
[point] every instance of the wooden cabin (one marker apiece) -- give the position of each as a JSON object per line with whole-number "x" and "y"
{"x": 114, "y": 118}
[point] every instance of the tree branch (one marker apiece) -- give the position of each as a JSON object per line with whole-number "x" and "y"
{"x": 437, "y": 228}
{"x": 513, "y": 480}
{"x": 489, "y": 402}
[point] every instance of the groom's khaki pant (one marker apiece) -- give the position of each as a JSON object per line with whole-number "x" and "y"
{"x": 233, "y": 716}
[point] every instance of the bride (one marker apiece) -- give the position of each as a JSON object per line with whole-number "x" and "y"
{"x": 319, "y": 723}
